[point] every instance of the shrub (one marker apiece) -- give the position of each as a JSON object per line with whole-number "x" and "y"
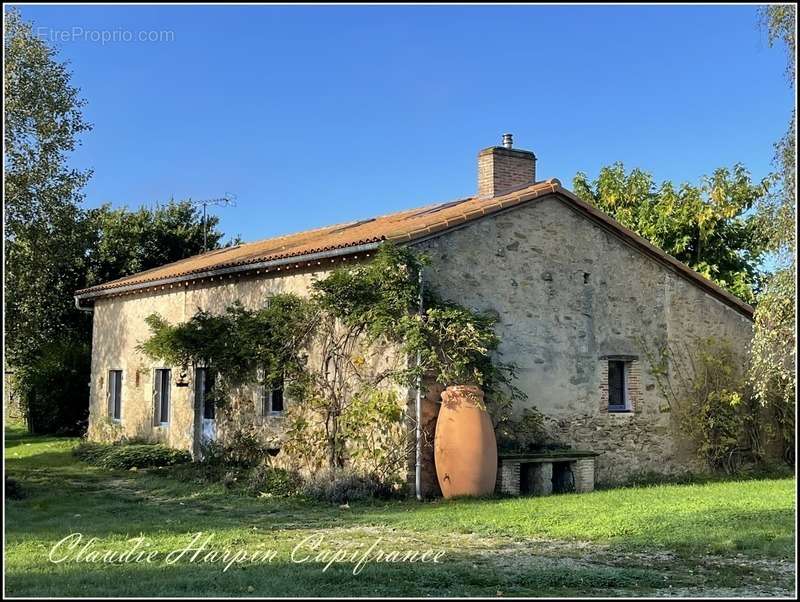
{"x": 524, "y": 434}
{"x": 13, "y": 489}
{"x": 127, "y": 456}
{"x": 704, "y": 383}
{"x": 54, "y": 388}
{"x": 274, "y": 482}
{"x": 244, "y": 449}
{"x": 90, "y": 452}
{"x": 713, "y": 409}
{"x": 345, "y": 486}
{"x": 653, "y": 478}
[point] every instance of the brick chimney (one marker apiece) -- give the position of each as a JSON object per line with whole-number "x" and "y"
{"x": 503, "y": 168}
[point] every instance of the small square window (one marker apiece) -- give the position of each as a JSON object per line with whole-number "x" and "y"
{"x": 617, "y": 386}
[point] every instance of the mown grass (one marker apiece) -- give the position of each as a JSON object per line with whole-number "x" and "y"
{"x": 633, "y": 541}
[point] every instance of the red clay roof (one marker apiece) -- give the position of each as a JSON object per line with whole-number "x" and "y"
{"x": 404, "y": 226}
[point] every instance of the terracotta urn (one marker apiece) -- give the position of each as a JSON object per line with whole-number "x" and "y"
{"x": 465, "y": 449}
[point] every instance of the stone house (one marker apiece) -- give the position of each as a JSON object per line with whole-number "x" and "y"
{"x": 579, "y": 297}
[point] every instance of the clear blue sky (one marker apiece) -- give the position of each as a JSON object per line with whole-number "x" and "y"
{"x": 317, "y": 115}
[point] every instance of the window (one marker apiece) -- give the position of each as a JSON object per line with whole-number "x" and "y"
{"x": 272, "y": 399}
{"x": 617, "y": 389}
{"x": 161, "y": 396}
{"x": 115, "y": 394}
{"x": 204, "y": 382}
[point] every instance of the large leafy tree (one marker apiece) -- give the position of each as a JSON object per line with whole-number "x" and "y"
{"x": 44, "y": 226}
{"x": 708, "y": 226}
{"x": 53, "y": 245}
{"x": 128, "y": 241}
{"x": 774, "y": 348}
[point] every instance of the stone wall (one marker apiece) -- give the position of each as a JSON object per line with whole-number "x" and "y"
{"x": 119, "y": 327}
{"x": 569, "y": 294}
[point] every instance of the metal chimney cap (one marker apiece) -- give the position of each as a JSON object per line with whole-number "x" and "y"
{"x": 508, "y": 140}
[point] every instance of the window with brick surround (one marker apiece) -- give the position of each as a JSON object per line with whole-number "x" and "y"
{"x": 620, "y": 388}
{"x": 618, "y": 399}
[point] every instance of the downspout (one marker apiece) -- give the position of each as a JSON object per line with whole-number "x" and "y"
{"x": 418, "y": 427}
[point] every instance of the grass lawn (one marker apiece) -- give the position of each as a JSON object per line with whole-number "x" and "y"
{"x": 722, "y": 538}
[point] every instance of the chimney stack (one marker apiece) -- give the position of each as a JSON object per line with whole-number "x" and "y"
{"x": 504, "y": 168}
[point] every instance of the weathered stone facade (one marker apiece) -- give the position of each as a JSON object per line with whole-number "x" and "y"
{"x": 570, "y": 294}
{"x": 119, "y": 327}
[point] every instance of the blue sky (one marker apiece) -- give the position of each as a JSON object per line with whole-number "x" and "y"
{"x": 318, "y": 115}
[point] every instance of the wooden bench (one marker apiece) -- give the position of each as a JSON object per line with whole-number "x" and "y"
{"x": 546, "y": 472}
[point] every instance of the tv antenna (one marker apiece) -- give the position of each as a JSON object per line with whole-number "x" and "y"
{"x": 226, "y": 200}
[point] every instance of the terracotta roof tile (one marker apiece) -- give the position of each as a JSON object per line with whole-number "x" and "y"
{"x": 403, "y": 226}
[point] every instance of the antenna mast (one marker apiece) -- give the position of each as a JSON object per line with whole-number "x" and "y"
{"x": 227, "y": 200}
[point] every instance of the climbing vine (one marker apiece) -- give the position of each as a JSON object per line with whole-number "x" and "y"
{"x": 704, "y": 384}
{"x": 341, "y": 352}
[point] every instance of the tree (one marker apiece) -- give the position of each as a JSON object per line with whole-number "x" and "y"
{"x": 44, "y": 227}
{"x": 773, "y": 352}
{"x": 127, "y": 242}
{"x": 709, "y": 227}
{"x": 55, "y": 247}
{"x": 780, "y": 21}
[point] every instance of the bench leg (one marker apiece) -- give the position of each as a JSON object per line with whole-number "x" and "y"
{"x": 584, "y": 475}
{"x": 508, "y": 478}
{"x": 542, "y": 482}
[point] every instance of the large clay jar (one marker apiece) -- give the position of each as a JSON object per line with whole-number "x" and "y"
{"x": 465, "y": 449}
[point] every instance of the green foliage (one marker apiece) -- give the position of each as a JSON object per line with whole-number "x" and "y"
{"x": 376, "y": 438}
{"x": 130, "y": 455}
{"x": 721, "y": 524}
{"x": 709, "y": 226}
{"x": 773, "y": 353}
{"x": 777, "y": 211}
{"x": 377, "y": 298}
{"x": 267, "y": 481}
{"x": 241, "y": 345}
{"x": 44, "y": 228}
{"x": 525, "y": 433}
{"x": 324, "y": 348}
{"x": 780, "y": 21}
{"x": 243, "y": 449}
{"x": 129, "y": 241}
{"x": 54, "y": 389}
{"x": 53, "y": 246}
{"x": 654, "y": 479}
{"x": 704, "y": 381}
{"x": 344, "y": 486}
